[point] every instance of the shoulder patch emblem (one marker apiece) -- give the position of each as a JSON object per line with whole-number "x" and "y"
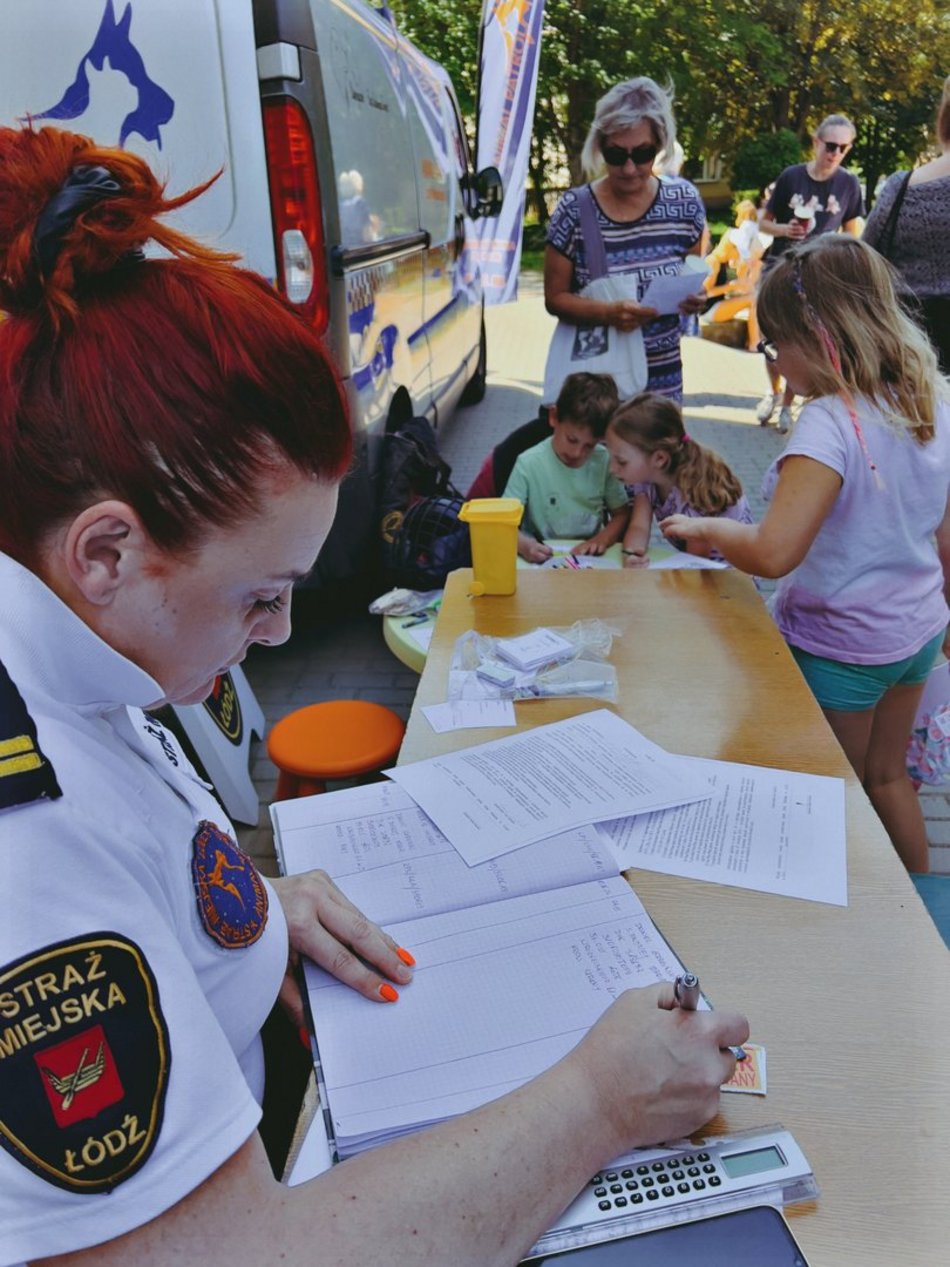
{"x": 25, "y": 774}
{"x": 225, "y": 708}
{"x": 232, "y": 900}
{"x": 84, "y": 1060}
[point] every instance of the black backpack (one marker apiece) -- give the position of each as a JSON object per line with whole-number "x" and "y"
{"x": 422, "y": 538}
{"x": 430, "y": 543}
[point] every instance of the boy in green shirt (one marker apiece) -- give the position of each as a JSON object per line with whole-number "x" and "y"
{"x": 565, "y": 481}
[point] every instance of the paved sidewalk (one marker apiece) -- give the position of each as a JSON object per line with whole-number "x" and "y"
{"x": 333, "y": 654}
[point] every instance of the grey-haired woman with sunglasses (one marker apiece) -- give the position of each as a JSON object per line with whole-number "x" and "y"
{"x": 648, "y": 227}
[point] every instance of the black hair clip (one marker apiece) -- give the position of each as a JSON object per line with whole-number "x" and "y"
{"x": 83, "y": 188}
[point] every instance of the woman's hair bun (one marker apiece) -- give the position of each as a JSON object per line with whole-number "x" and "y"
{"x": 72, "y": 210}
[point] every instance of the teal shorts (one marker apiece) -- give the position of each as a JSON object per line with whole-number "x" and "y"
{"x": 854, "y": 688}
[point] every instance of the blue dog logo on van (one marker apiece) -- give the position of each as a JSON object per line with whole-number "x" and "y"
{"x": 113, "y": 43}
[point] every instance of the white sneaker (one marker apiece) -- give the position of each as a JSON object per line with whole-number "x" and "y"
{"x": 784, "y": 419}
{"x": 765, "y": 408}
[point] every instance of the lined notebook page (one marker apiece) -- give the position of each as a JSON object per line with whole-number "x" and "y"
{"x": 500, "y": 993}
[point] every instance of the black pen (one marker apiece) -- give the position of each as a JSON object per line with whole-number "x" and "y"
{"x": 686, "y": 995}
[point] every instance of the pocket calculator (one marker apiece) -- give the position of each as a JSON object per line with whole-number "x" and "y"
{"x": 659, "y": 1186}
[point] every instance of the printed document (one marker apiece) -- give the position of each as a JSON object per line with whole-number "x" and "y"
{"x": 470, "y": 714}
{"x": 777, "y": 831}
{"x": 394, "y": 864}
{"x": 510, "y": 792}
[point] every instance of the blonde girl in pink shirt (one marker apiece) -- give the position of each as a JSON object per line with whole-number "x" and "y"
{"x": 858, "y": 525}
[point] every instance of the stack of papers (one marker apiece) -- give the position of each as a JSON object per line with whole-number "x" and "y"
{"x": 516, "y": 959}
{"x": 511, "y": 792}
{"x": 499, "y": 868}
{"x": 535, "y": 649}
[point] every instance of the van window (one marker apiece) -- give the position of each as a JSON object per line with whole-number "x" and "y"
{"x": 362, "y": 71}
{"x": 434, "y": 147}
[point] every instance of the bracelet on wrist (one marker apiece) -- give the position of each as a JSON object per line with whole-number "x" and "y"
{"x": 641, "y": 553}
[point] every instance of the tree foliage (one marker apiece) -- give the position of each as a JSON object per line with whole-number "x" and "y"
{"x": 742, "y": 70}
{"x": 759, "y": 159}
{"x": 448, "y": 31}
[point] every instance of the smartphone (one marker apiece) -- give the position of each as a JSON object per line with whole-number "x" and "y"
{"x": 758, "y": 1236}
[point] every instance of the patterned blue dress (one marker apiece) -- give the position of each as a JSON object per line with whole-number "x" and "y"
{"x": 655, "y": 245}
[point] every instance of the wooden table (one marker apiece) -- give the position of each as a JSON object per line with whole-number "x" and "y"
{"x": 399, "y": 639}
{"x": 853, "y": 1005}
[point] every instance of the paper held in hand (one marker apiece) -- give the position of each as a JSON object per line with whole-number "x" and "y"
{"x": 665, "y": 293}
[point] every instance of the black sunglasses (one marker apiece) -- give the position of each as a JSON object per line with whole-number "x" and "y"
{"x": 834, "y": 146}
{"x": 616, "y": 155}
{"x": 768, "y": 349}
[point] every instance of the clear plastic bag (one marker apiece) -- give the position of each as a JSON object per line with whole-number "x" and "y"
{"x": 478, "y": 671}
{"x": 402, "y": 602}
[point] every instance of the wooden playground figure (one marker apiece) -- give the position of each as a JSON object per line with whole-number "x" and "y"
{"x": 740, "y": 250}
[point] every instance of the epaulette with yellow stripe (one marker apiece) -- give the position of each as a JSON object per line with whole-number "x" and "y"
{"x": 25, "y": 774}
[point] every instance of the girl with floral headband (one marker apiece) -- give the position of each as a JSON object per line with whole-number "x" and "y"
{"x": 858, "y": 525}
{"x": 653, "y": 455}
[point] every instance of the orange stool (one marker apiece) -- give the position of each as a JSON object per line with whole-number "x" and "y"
{"x": 341, "y": 739}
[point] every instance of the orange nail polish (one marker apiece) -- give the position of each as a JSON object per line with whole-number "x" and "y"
{"x": 408, "y": 959}
{"x": 388, "y": 993}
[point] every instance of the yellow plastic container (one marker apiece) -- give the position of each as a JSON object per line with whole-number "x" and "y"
{"x": 493, "y": 522}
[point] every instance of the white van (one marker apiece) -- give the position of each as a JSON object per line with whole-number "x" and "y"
{"x": 346, "y": 178}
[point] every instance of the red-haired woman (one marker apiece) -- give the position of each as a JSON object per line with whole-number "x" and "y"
{"x": 172, "y": 438}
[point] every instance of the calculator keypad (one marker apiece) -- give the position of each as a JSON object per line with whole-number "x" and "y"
{"x": 671, "y": 1179}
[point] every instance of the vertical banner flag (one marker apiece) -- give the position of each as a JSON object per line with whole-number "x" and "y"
{"x": 508, "y": 78}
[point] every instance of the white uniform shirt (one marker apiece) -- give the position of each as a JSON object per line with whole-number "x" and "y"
{"x": 140, "y": 952}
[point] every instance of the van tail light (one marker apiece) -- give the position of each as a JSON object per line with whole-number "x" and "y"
{"x": 296, "y": 209}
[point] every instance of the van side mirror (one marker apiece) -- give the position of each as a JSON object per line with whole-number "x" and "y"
{"x": 489, "y": 192}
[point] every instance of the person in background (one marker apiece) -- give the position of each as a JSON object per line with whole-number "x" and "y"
{"x": 173, "y": 438}
{"x": 908, "y": 225}
{"x": 858, "y": 526}
{"x": 564, "y": 482}
{"x": 649, "y": 226}
{"x": 358, "y": 224}
{"x": 667, "y": 473}
{"x": 809, "y": 199}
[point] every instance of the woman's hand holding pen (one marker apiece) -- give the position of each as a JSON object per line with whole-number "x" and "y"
{"x": 325, "y": 926}
{"x": 687, "y": 994}
{"x": 655, "y": 1068}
